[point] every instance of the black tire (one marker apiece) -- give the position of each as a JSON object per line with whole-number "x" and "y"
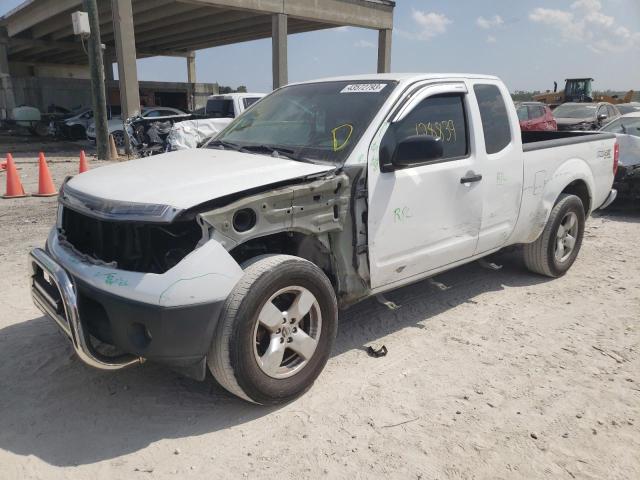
{"x": 540, "y": 256}
{"x": 42, "y": 129}
{"x": 118, "y": 138}
{"x": 232, "y": 357}
{"x": 78, "y": 132}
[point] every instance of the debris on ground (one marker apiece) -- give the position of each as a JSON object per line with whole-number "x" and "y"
{"x": 438, "y": 285}
{"x": 387, "y": 303}
{"x": 489, "y": 265}
{"x": 377, "y": 351}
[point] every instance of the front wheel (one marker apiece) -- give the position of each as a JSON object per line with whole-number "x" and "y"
{"x": 275, "y": 331}
{"x": 555, "y": 250}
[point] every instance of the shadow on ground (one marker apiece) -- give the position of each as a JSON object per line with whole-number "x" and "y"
{"x": 621, "y": 210}
{"x": 55, "y": 408}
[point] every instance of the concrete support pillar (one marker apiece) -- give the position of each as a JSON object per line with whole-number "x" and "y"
{"x": 7, "y": 97}
{"x": 279, "y": 50}
{"x": 191, "y": 67}
{"x": 126, "y": 54}
{"x": 109, "y": 60}
{"x": 191, "y": 78}
{"x": 384, "y": 51}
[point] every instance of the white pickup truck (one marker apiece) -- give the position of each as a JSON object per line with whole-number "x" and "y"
{"x": 238, "y": 255}
{"x": 230, "y": 105}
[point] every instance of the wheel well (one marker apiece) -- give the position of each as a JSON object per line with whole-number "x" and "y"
{"x": 579, "y": 189}
{"x": 300, "y": 245}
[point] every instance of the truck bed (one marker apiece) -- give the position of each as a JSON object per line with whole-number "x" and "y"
{"x": 541, "y": 140}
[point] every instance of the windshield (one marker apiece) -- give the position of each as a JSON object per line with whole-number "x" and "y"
{"x": 629, "y": 125}
{"x": 575, "y": 111}
{"x": 314, "y": 121}
{"x": 578, "y": 88}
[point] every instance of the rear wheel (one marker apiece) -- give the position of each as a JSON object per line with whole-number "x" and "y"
{"x": 555, "y": 250}
{"x": 276, "y": 330}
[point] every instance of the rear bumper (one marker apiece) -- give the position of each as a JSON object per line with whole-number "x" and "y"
{"x": 627, "y": 182}
{"x": 177, "y": 336}
{"x": 610, "y": 199}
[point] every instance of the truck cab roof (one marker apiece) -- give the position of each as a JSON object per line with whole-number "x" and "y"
{"x": 229, "y": 96}
{"x": 402, "y": 77}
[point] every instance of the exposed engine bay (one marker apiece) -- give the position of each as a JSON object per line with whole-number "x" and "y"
{"x": 132, "y": 246}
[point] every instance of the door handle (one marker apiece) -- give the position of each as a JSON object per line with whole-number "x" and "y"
{"x": 471, "y": 179}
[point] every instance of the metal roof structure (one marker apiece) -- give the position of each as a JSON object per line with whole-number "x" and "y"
{"x": 41, "y": 30}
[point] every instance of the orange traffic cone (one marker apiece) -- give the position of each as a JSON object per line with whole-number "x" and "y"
{"x": 83, "y": 162}
{"x": 113, "y": 150}
{"x": 3, "y": 165}
{"x": 14, "y": 185}
{"x": 46, "y": 188}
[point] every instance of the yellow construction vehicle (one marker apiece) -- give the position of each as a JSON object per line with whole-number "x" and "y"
{"x": 577, "y": 90}
{"x": 615, "y": 99}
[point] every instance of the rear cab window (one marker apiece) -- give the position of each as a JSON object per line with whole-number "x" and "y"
{"x": 494, "y": 116}
{"x": 220, "y": 108}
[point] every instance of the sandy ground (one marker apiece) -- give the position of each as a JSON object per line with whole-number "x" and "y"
{"x": 504, "y": 375}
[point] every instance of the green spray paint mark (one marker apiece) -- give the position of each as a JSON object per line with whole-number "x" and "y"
{"x": 113, "y": 279}
{"x": 401, "y": 214}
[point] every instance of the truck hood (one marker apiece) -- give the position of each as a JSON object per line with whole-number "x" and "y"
{"x": 186, "y": 178}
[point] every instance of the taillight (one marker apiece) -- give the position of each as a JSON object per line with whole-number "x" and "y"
{"x": 616, "y": 158}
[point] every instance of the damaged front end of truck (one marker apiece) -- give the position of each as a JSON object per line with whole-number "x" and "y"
{"x": 323, "y": 221}
{"x": 138, "y": 278}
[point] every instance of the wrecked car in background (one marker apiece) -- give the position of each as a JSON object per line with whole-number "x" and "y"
{"x": 237, "y": 256}
{"x": 193, "y": 133}
{"x": 627, "y": 129}
{"x": 584, "y": 116}
{"x": 77, "y": 124}
{"x": 217, "y": 114}
{"x": 160, "y": 118}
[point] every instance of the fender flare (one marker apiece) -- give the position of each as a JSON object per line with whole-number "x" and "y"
{"x": 573, "y": 170}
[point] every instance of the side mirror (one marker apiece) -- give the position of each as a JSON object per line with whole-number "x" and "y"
{"x": 602, "y": 117}
{"x": 416, "y": 150}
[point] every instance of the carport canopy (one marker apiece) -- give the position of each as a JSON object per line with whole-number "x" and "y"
{"x": 41, "y": 32}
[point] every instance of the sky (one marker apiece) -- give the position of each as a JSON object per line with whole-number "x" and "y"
{"x": 528, "y": 43}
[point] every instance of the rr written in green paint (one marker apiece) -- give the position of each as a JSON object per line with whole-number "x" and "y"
{"x": 401, "y": 214}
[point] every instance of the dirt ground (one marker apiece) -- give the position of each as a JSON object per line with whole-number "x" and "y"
{"x": 503, "y": 375}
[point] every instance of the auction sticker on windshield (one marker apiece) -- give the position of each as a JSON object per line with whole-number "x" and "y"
{"x": 364, "y": 88}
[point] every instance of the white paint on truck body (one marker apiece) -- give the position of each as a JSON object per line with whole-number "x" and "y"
{"x": 421, "y": 220}
{"x": 187, "y": 178}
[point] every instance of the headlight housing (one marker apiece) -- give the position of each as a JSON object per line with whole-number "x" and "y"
{"x": 117, "y": 210}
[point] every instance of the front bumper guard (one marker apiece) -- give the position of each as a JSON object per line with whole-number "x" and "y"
{"x": 56, "y": 297}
